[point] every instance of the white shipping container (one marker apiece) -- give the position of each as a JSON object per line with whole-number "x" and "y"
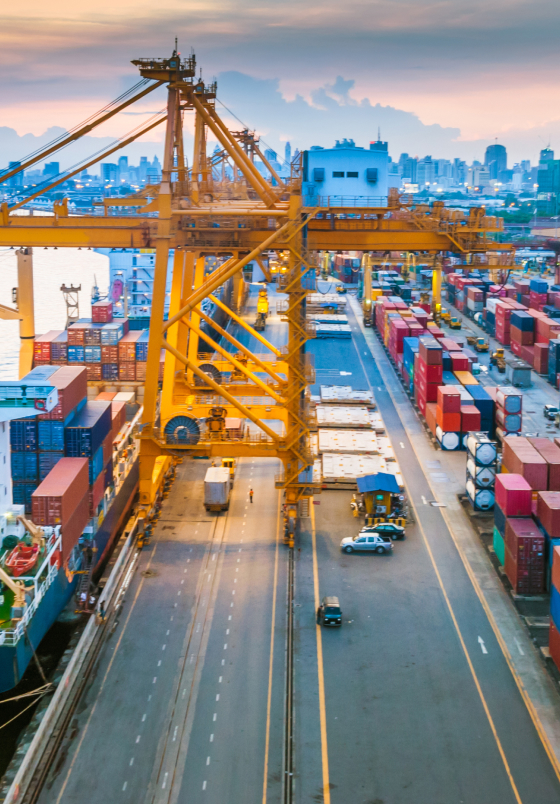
{"x": 345, "y": 394}
{"x": 343, "y": 416}
{"x": 491, "y": 305}
{"x": 509, "y": 400}
{"x": 348, "y": 441}
{"x": 340, "y": 467}
{"x": 216, "y": 486}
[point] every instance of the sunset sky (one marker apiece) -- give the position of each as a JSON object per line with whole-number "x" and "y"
{"x": 470, "y": 71}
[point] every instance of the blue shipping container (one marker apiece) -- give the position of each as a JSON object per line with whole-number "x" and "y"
{"x": 59, "y": 347}
{"x": 46, "y": 462}
{"x": 500, "y": 520}
{"x": 538, "y": 286}
{"x": 523, "y": 321}
{"x": 24, "y": 466}
{"x": 92, "y": 354}
{"x": 75, "y": 354}
{"x": 21, "y": 494}
{"x": 50, "y": 436}
{"x": 23, "y": 435}
{"x": 110, "y": 371}
{"x": 112, "y": 333}
{"x": 87, "y": 430}
{"x": 95, "y": 466}
{"x": 142, "y": 347}
{"x": 40, "y": 373}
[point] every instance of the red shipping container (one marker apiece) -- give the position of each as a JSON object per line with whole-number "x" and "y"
{"x": 541, "y": 358}
{"x": 430, "y": 351}
{"x": 102, "y": 312}
{"x": 449, "y": 400}
{"x": 73, "y": 529}
{"x": 459, "y": 361}
{"x": 551, "y": 453}
{"x": 527, "y": 353}
{"x": 449, "y": 422}
{"x": 110, "y": 354}
{"x": 105, "y": 396}
{"x": 141, "y": 371}
{"x": 127, "y": 372}
{"x": 450, "y": 345}
{"x": 421, "y": 402}
{"x": 54, "y": 501}
{"x": 521, "y": 458}
{"x": 427, "y": 391}
{"x": 96, "y": 494}
{"x": 42, "y": 345}
{"x": 127, "y": 347}
{"x": 118, "y": 417}
{"x": 513, "y": 494}
{"x": 470, "y": 419}
{"x": 71, "y": 382}
{"x": 556, "y": 568}
{"x": 554, "y": 644}
{"x": 432, "y": 374}
{"x": 524, "y": 556}
{"x": 515, "y": 347}
{"x": 548, "y": 514}
{"x": 94, "y": 372}
{"x": 430, "y": 415}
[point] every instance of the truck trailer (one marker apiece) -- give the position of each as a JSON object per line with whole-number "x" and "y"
{"x": 217, "y": 489}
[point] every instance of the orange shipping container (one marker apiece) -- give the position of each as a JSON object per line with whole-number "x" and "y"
{"x": 449, "y": 422}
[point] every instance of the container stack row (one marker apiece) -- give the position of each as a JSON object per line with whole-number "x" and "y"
{"x": 524, "y": 316}
{"x": 107, "y": 348}
{"x": 482, "y": 457}
{"x": 428, "y": 361}
{"x": 74, "y": 429}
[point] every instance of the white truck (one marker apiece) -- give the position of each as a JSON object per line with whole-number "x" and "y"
{"x": 217, "y": 489}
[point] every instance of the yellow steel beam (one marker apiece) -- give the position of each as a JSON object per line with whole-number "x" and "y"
{"x": 219, "y": 277}
{"x": 26, "y": 308}
{"x": 238, "y": 345}
{"x": 267, "y": 164}
{"x": 220, "y": 390}
{"x": 77, "y": 134}
{"x": 120, "y": 144}
{"x": 231, "y": 359}
{"x": 247, "y": 327}
{"x": 264, "y": 269}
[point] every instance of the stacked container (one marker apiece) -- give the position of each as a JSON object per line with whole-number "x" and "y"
{"x": 102, "y": 312}
{"x": 520, "y": 457}
{"x": 428, "y": 371}
{"x": 548, "y": 518}
{"x": 538, "y": 294}
{"x": 524, "y": 556}
{"x": 513, "y": 498}
{"x": 554, "y": 632}
{"x": 62, "y": 499}
{"x": 509, "y": 416}
{"x": 448, "y": 417}
{"x": 481, "y": 470}
{"x": 86, "y": 433}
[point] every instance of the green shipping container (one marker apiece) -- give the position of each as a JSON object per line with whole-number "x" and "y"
{"x": 499, "y": 547}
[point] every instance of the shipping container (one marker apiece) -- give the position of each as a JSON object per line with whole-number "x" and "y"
{"x": 25, "y": 467}
{"x": 50, "y": 436}
{"x": 71, "y": 382}
{"x": 73, "y": 528}
{"x": 548, "y": 513}
{"x": 23, "y": 435}
{"x": 102, "y": 312}
{"x": 88, "y": 429}
{"x": 513, "y": 495}
{"x": 127, "y": 347}
{"x": 47, "y": 461}
{"x": 111, "y": 334}
{"x": 56, "y": 498}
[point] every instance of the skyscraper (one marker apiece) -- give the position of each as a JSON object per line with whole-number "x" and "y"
{"x": 288, "y": 153}
{"x": 123, "y": 168}
{"x": 495, "y": 160}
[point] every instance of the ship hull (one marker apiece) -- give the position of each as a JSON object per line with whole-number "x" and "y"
{"x": 14, "y": 660}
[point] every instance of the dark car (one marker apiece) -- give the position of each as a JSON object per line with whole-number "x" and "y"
{"x": 329, "y": 612}
{"x": 550, "y": 412}
{"x": 386, "y": 529}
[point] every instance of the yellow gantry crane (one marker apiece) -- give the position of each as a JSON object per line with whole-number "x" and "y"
{"x": 200, "y": 212}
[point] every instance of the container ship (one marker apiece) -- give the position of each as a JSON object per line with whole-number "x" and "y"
{"x": 69, "y": 456}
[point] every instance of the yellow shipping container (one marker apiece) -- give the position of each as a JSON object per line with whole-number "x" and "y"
{"x": 465, "y": 378}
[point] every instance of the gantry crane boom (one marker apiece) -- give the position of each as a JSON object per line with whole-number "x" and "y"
{"x": 199, "y": 214}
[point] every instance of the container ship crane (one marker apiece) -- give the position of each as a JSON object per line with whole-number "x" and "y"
{"x": 199, "y": 213}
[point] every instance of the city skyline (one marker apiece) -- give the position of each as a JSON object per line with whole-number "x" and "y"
{"x": 466, "y": 69}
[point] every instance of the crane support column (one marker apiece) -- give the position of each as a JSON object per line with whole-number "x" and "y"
{"x": 26, "y": 308}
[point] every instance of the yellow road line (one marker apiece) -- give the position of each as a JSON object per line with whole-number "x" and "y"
{"x": 320, "y": 673}
{"x": 269, "y": 699}
{"x": 471, "y": 666}
{"x": 113, "y": 657}
{"x": 533, "y": 714}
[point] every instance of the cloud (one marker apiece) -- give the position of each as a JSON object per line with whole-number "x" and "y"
{"x": 486, "y": 67}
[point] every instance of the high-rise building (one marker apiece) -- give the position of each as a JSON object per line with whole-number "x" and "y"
{"x": 495, "y": 159}
{"x": 288, "y": 153}
{"x": 548, "y": 195}
{"x": 459, "y": 171}
{"x": 108, "y": 172}
{"x": 143, "y": 169}
{"x": 546, "y": 155}
{"x": 123, "y": 168}
{"x": 51, "y": 169}
{"x": 410, "y": 168}
{"x": 425, "y": 172}
{"x": 16, "y": 180}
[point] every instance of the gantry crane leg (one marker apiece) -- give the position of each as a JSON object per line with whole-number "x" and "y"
{"x": 26, "y": 309}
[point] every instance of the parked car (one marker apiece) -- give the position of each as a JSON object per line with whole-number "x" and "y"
{"x": 329, "y": 612}
{"x": 550, "y": 412}
{"x": 367, "y": 541}
{"x": 386, "y": 529}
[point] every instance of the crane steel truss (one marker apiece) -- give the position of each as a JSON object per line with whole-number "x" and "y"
{"x": 200, "y": 212}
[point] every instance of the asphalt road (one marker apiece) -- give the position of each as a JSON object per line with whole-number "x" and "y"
{"x": 187, "y": 701}
{"x": 410, "y": 702}
{"x": 420, "y": 704}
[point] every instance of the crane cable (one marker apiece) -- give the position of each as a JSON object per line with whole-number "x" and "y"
{"x": 120, "y": 99}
